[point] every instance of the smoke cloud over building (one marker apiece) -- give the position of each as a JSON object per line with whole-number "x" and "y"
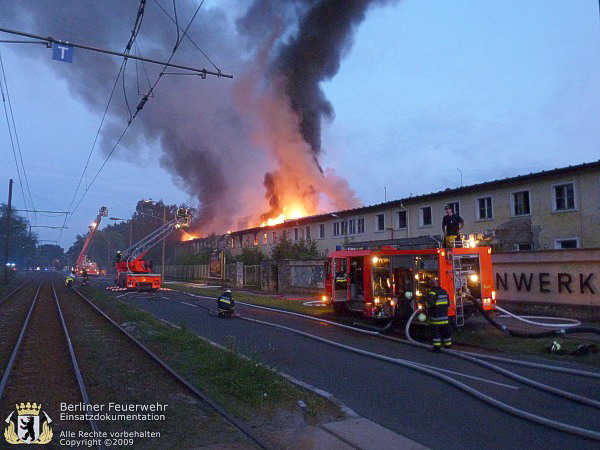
{"x": 247, "y": 147}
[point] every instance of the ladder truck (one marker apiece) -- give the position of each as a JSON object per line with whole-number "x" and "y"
{"x": 82, "y": 260}
{"x": 132, "y": 271}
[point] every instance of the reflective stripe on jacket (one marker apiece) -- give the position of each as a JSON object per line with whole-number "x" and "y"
{"x": 437, "y": 306}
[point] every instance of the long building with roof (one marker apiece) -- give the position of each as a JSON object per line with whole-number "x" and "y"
{"x": 552, "y": 209}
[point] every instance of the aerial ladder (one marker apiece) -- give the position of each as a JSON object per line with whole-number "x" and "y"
{"x": 135, "y": 273}
{"x": 82, "y": 260}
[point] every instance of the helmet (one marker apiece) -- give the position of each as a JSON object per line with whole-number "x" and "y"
{"x": 448, "y": 206}
{"x": 228, "y": 291}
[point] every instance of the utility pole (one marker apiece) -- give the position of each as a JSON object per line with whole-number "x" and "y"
{"x": 162, "y": 266}
{"x": 8, "y": 217}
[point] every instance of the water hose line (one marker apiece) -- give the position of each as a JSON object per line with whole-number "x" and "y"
{"x": 525, "y": 334}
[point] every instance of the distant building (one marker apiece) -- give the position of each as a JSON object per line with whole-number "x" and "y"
{"x": 554, "y": 209}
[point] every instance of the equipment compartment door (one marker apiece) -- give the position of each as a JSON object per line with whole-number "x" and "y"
{"x": 341, "y": 288}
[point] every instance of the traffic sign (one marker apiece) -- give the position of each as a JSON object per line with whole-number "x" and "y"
{"x": 62, "y": 52}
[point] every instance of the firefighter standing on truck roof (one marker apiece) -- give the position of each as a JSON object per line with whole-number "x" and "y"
{"x": 437, "y": 302}
{"x": 451, "y": 225}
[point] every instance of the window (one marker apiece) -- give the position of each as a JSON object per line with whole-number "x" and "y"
{"x": 352, "y": 226}
{"x": 401, "y": 217}
{"x": 247, "y": 243}
{"x": 255, "y": 240}
{"x": 566, "y": 243}
{"x": 564, "y": 197}
{"x": 274, "y": 237}
{"x": 425, "y": 216}
{"x": 380, "y": 222}
{"x": 265, "y": 239}
{"x": 295, "y": 234}
{"x": 308, "y": 233}
{"x": 344, "y": 227}
{"x": 361, "y": 225}
{"x": 336, "y": 228}
{"x": 484, "y": 208}
{"x": 520, "y": 203}
{"x": 321, "y": 230}
{"x": 455, "y": 207}
{"x": 523, "y": 247}
{"x": 233, "y": 242}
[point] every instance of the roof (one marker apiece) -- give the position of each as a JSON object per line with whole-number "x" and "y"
{"x": 431, "y": 196}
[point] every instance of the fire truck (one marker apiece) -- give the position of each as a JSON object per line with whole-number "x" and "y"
{"x": 82, "y": 260}
{"x": 135, "y": 273}
{"x": 390, "y": 281}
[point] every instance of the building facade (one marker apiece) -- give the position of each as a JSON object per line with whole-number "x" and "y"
{"x": 555, "y": 209}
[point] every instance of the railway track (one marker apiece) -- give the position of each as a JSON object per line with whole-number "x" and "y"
{"x": 533, "y": 399}
{"x": 68, "y": 352}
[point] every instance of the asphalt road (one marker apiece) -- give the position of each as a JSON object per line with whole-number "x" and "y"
{"x": 408, "y": 402}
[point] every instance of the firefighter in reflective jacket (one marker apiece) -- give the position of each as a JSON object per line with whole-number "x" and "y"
{"x": 437, "y": 315}
{"x": 69, "y": 280}
{"x": 225, "y": 304}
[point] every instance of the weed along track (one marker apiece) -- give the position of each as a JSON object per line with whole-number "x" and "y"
{"x": 136, "y": 392}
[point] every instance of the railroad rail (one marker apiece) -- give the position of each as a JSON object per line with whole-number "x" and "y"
{"x": 69, "y": 351}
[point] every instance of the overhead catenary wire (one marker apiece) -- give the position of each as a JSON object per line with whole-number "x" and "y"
{"x": 138, "y": 109}
{"x": 134, "y": 32}
{"x": 13, "y": 130}
{"x": 187, "y": 36}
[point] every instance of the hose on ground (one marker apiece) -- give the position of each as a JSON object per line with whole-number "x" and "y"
{"x": 573, "y": 322}
{"x": 525, "y": 334}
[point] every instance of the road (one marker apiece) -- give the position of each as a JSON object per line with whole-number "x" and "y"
{"x": 410, "y": 403}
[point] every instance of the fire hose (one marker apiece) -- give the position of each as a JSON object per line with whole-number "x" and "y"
{"x": 568, "y": 329}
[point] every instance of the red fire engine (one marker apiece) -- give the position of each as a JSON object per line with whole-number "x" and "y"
{"x": 82, "y": 260}
{"x": 390, "y": 281}
{"x": 135, "y": 273}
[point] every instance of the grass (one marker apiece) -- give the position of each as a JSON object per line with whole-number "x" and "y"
{"x": 261, "y": 300}
{"x": 476, "y": 333}
{"x": 242, "y": 386}
{"x": 481, "y": 334}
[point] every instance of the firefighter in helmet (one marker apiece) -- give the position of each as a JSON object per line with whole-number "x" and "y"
{"x": 225, "y": 304}
{"x": 69, "y": 279}
{"x": 437, "y": 301}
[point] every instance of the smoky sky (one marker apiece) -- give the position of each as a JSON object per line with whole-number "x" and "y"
{"x": 204, "y": 136}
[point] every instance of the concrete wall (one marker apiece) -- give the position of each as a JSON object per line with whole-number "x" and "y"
{"x": 293, "y": 275}
{"x": 552, "y": 277}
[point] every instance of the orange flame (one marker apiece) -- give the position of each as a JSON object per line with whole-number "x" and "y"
{"x": 187, "y": 236}
{"x": 295, "y": 213}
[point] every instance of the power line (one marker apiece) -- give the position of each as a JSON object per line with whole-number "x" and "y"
{"x": 14, "y": 124}
{"x": 139, "y": 108}
{"x": 187, "y": 36}
{"x": 134, "y": 32}
{"x": 12, "y": 144}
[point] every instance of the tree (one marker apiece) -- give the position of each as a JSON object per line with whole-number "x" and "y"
{"x": 251, "y": 256}
{"x": 22, "y": 248}
{"x": 51, "y": 256}
{"x": 286, "y": 249}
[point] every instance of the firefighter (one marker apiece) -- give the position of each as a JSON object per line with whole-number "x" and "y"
{"x": 69, "y": 280}
{"x": 118, "y": 256}
{"x": 86, "y": 279}
{"x": 225, "y": 304}
{"x": 436, "y": 301}
{"x": 451, "y": 225}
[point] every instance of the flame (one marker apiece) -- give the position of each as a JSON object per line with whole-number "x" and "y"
{"x": 295, "y": 212}
{"x": 187, "y": 236}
